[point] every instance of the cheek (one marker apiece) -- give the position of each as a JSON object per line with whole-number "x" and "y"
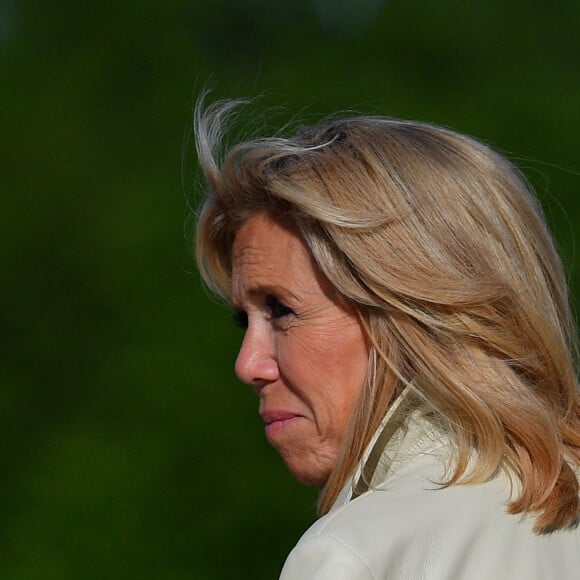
{"x": 346, "y": 364}
{"x": 326, "y": 366}
{"x": 344, "y": 348}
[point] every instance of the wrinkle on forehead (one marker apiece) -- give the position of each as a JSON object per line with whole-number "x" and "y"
{"x": 253, "y": 254}
{"x": 265, "y": 230}
{"x": 270, "y": 253}
{"x": 266, "y": 253}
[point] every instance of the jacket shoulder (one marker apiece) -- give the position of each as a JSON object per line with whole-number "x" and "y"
{"x": 325, "y": 557}
{"x": 406, "y": 530}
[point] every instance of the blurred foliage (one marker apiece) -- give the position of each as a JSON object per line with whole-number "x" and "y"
{"x": 128, "y": 448}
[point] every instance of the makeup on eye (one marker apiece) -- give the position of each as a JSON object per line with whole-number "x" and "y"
{"x": 276, "y": 307}
{"x": 240, "y": 318}
{"x": 276, "y": 310}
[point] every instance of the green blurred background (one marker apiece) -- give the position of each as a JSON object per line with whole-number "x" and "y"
{"x": 128, "y": 448}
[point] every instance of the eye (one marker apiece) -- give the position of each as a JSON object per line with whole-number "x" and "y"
{"x": 277, "y": 309}
{"x": 240, "y": 318}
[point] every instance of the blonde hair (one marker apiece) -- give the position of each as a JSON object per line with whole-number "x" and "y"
{"x": 442, "y": 250}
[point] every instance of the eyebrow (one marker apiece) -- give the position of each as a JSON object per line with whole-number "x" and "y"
{"x": 265, "y": 289}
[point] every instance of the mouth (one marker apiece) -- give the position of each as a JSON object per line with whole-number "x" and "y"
{"x": 278, "y": 421}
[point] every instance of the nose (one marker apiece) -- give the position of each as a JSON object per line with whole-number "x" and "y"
{"x": 256, "y": 364}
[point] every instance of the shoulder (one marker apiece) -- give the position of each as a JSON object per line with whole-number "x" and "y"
{"x": 326, "y": 556}
{"x": 411, "y": 530}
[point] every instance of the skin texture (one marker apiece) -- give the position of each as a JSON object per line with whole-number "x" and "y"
{"x": 304, "y": 352}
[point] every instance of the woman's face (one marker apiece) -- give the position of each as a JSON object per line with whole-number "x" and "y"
{"x": 304, "y": 352}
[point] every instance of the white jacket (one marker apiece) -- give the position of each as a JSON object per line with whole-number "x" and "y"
{"x": 404, "y": 526}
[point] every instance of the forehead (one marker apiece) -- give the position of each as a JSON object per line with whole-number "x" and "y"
{"x": 261, "y": 234}
{"x": 268, "y": 252}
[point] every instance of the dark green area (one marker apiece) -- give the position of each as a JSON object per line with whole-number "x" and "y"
{"x": 128, "y": 449}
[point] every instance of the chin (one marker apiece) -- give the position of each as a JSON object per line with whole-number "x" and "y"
{"x": 314, "y": 475}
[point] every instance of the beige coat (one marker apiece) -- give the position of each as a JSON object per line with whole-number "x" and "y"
{"x": 403, "y": 526}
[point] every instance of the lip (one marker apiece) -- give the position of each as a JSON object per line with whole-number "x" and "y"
{"x": 277, "y": 421}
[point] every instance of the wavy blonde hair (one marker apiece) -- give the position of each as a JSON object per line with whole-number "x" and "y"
{"x": 441, "y": 248}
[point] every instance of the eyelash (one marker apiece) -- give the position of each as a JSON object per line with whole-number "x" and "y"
{"x": 240, "y": 318}
{"x": 277, "y": 310}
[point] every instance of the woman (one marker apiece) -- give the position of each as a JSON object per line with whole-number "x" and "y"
{"x": 409, "y": 337}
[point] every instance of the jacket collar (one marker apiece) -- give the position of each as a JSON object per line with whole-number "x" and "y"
{"x": 403, "y": 434}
